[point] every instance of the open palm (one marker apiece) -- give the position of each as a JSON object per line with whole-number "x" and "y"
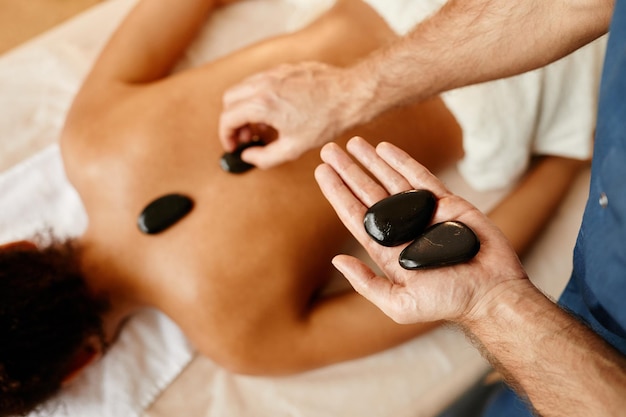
{"x": 453, "y": 293}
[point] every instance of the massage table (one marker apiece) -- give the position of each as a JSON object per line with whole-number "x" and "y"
{"x": 153, "y": 371}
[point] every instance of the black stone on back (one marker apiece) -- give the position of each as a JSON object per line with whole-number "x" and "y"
{"x": 164, "y": 212}
{"x": 232, "y": 162}
{"x": 442, "y": 244}
{"x": 400, "y": 218}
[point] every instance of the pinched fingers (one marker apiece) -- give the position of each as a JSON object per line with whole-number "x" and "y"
{"x": 239, "y": 115}
{"x": 272, "y": 154}
{"x": 253, "y": 101}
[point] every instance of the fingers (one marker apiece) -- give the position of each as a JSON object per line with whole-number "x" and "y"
{"x": 233, "y": 122}
{"x": 252, "y": 101}
{"x": 414, "y": 172}
{"x": 378, "y": 290}
{"x": 242, "y": 106}
{"x": 362, "y": 185}
{"x": 348, "y": 207}
{"x": 366, "y": 155}
{"x": 351, "y": 212}
{"x": 272, "y": 154}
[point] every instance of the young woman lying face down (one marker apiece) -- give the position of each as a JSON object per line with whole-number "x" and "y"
{"x": 241, "y": 274}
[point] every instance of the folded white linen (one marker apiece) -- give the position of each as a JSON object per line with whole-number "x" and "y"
{"x": 548, "y": 111}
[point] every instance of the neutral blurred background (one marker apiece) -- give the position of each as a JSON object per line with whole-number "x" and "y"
{"x": 21, "y": 20}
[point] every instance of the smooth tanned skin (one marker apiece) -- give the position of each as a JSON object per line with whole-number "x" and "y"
{"x": 241, "y": 272}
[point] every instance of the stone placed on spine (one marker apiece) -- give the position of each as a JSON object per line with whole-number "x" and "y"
{"x": 164, "y": 212}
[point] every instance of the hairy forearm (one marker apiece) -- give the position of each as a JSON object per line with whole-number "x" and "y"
{"x": 558, "y": 363}
{"x": 471, "y": 41}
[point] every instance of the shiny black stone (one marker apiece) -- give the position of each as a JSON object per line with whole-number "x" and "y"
{"x": 232, "y": 162}
{"x": 163, "y": 212}
{"x": 442, "y": 244}
{"x": 400, "y": 218}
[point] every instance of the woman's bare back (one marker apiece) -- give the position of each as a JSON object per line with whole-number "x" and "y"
{"x": 257, "y": 247}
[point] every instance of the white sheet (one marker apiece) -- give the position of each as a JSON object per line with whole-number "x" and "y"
{"x": 152, "y": 370}
{"x": 553, "y": 113}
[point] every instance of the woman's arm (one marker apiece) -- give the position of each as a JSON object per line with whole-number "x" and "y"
{"x": 150, "y": 40}
{"x": 524, "y": 213}
{"x": 332, "y": 329}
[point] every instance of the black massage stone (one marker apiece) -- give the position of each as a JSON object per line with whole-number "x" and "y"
{"x": 232, "y": 162}
{"x": 164, "y": 212}
{"x": 400, "y": 218}
{"x": 442, "y": 244}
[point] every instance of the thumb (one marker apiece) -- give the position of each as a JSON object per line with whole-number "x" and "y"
{"x": 390, "y": 298}
{"x": 270, "y": 155}
{"x": 378, "y": 290}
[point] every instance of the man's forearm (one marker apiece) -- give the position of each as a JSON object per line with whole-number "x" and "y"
{"x": 562, "y": 366}
{"x": 471, "y": 41}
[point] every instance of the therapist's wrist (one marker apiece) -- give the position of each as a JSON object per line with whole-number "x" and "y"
{"x": 388, "y": 79}
{"x": 360, "y": 99}
{"x": 510, "y": 301}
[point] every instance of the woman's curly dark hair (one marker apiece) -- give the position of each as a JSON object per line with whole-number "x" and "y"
{"x": 46, "y": 315}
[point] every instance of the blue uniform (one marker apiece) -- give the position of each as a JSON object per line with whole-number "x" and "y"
{"x": 596, "y": 291}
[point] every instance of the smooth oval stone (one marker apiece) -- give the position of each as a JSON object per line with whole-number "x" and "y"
{"x": 401, "y": 217}
{"x": 232, "y": 162}
{"x": 442, "y": 244}
{"x": 164, "y": 212}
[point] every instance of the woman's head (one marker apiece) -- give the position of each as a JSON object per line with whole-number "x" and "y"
{"x": 47, "y": 315}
